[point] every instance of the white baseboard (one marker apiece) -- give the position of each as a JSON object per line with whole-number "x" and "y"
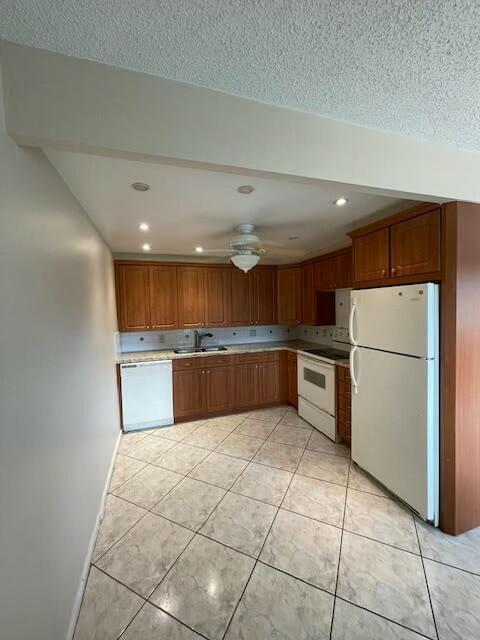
{"x": 91, "y": 547}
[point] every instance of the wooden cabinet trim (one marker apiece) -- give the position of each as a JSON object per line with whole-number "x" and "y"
{"x": 412, "y": 212}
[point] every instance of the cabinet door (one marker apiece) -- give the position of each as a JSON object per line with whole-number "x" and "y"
{"x": 308, "y": 302}
{"x": 289, "y": 293}
{"x": 246, "y": 386}
{"x": 163, "y": 297}
{"x": 324, "y": 274}
{"x": 189, "y": 397}
{"x": 269, "y": 380}
{"x": 220, "y": 389}
{"x": 191, "y": 296}
{"x": 415, "y": 245}
{"x": 264, "y": 299}
{"x": 343, "y": 270}
{"x": 217, "y": 297}
{"x": 133, "y": 297}
{"x": 241, "y": 302}
{"x": 371, "y": 256}
{"x": 292, "y": 381}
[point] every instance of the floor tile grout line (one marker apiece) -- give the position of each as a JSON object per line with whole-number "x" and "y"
{"x": 425, "y": 576}
{"x": 283, "y": 508}
{"x": 150, "y": 510}
{"x": 340, "y": 550}
{"x": 379, "y": 615}
{"x": 258, "y": 556}
{"x": 134, "y": 618}
{"x": 184, "y": 624}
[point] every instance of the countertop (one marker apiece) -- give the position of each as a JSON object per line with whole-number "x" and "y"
{"x": 249, "y": 347}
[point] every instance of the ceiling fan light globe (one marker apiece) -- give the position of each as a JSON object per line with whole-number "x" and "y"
{"x": 245, "y": 262}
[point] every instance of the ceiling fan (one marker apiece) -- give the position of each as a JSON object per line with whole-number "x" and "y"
{"x": 246, "y": 248}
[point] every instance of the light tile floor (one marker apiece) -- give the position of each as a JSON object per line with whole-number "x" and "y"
{"x": 255, "y": 526}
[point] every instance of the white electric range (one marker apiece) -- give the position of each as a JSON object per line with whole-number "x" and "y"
{"x": 317, "y": 388}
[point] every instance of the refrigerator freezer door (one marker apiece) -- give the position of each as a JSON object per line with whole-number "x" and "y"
{"x": 395, "y": 426}
{"x": 399, "y": 319}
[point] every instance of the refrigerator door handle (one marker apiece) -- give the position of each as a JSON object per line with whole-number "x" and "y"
{"x": 351, "y": 319}
{"x": 352, "y": 370}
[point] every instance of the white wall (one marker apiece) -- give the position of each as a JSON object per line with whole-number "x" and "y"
{"x": 77, "y": 104}
{"x": 58, "y": 407}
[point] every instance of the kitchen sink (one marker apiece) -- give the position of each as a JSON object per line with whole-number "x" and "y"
{"x": 187, "y": 350}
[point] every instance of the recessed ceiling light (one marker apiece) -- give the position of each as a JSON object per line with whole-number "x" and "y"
{"x": 246, "y": 189}
{"x": 199, "y": 249}
{"x": 146, "y": 247}
{"x": 293, "y": 237}
{"x": 140, "y": 186}
{"x": 143, "y": 226}
{"x": 341, "y": 201}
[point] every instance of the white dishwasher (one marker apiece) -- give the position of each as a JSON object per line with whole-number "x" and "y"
{"x": 147, "y": 394}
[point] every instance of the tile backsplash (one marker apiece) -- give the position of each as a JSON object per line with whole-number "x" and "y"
{"x": 155, "y": 340}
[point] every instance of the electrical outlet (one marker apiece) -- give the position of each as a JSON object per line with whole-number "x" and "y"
{"x": 252, "y": 332}
{"x": 161, "y": 338}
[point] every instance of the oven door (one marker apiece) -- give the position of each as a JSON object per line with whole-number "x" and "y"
{"x": 316, "y": 383}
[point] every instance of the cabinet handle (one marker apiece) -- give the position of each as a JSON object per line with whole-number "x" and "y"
{"x": 203, "y": 371}
{"x": 384, "y": 273}
{"x": 208, "y": 371}
{"x": 394, "y": 270}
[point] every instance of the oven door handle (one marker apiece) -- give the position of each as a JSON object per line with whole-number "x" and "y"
{"x": 316, "y": 361}
{"x": 352, "y": 369}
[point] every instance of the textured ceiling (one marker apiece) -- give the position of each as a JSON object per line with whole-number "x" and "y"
{"x": 190, "y": 207}
{"x": 407, "y": 66}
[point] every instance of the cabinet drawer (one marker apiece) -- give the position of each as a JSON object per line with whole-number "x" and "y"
{"x": 180, "y": 364}
{"x": 245, "y": 358}
{"x": 270, "y": 356}
{"x": 217, "y": 361}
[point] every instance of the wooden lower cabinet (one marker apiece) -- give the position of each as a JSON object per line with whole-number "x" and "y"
{"x": 216, "y": 385}
{"x": 220, "y": 389}
{"x": 189, "y": 394}
{"x": 344, "y": 405}
{"x": 292, "y": 392}
{"x": 269, "y": 382}
{"x": 246, "y": 386}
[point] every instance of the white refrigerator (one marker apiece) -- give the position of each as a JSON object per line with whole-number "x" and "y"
{"x": 394, "y": 366}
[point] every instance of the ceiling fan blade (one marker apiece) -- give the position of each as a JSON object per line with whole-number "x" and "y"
{"x": 219, "y": 251}
{"x": 284, "y": 252}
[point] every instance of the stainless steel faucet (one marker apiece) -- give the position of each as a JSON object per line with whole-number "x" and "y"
{"x": 197, "y": 338}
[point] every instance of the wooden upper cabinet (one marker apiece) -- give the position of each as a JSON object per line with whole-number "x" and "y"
{"x": 163, "y": 297}
{"x": 218, "y": 296}
{"x": 241, "y": 298}
{"x": 309, "y": 295}
{"x": 263, "y": 288}
{"x": 324, "y": 274}
{"x": 289, "y": 295}
{"x": 371, "y": 256}
{"x": 133, "y": 291}
{"x": 415, "y": 245}
{"x": 191, "y": 296}
{"x": 343, "y": 270}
